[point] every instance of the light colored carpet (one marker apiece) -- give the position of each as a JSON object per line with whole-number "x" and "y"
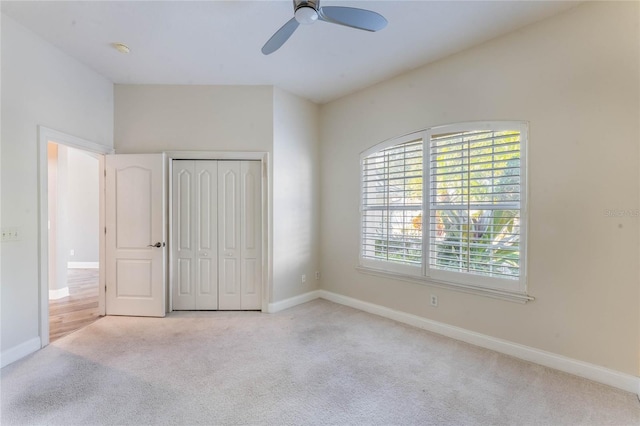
{"x": 318, "y": 363}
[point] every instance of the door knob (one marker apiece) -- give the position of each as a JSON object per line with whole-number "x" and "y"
{"x": 158, "y": 244}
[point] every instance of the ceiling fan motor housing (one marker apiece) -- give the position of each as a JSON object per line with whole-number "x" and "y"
{"x": 306, "y": 11}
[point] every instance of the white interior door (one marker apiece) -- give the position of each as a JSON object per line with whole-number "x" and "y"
{"x": 240, "y": 235}
{"x": 229, "y": 253}
{"x": 194, "y": 235}
{"x": 250, "y": 235}
{"x": 183, "y": 235}
{"x": 135, "y": 235}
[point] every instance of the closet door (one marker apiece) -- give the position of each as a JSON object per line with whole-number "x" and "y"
{"x": 240, "y": 235}
{"x": 194, "y": 238}
{"x": 206, "y": 262}
{"x": 250, "y": 235}
{"x": 217, "y": 235}
{"x": 183, "y": 246}
{"x": 229, "y": 253}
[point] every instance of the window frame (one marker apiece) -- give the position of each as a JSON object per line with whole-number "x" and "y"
{"x": 503, "y": 288}
{"x": 378, "y": 264}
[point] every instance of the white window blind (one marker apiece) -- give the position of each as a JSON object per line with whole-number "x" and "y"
{"x": 475, "y": 203}
{"x": 392, "y": 204}
{"x": 447, "y": 206}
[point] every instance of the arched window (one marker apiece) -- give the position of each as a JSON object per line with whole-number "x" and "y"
{"x": 448, "y": 205}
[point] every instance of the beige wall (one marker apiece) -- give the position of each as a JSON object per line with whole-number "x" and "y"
{"x": 296, "y": 195}
{"x": 155, "y": 118}
{"x": 83, "y": 206}
{"x": 574, "y": 77}
{"x": 40, "y": 86}
{"x": 240, "y": 118}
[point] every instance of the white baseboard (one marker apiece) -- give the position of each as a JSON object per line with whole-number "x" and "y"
{"x": 586, "y": 370}
{"x": 83, "y": 265}
{"x": 58, "y": 293}
{"x": 20, "y": 351}
{"x": 293, "y": 301}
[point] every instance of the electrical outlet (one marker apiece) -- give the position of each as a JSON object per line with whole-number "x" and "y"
{"x": 72, "y": 252}
{"x": 434, "y": 300}
{"x": 317, "y": 275}
{"x": 304, "y": 278}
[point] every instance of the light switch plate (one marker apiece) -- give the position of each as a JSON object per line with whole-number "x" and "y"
{"x": 10, "y": 234}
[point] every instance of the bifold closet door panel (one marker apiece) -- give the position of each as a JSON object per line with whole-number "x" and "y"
{"x": 206, "y": 228}
{"x": 250, "y": 235}
{"x": 183, "y": 247}
{"x": 229, "y": 253}
{"x": 194, "y": 248}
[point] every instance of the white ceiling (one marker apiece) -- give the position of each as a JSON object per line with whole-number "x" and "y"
{"x": 219, "y": 42}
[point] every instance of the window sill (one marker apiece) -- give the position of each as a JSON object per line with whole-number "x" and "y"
{"x": 495, "y": 294}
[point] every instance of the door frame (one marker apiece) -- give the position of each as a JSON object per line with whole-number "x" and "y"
{"x": 46, "y": 135}
{"x": 264, "y": 159}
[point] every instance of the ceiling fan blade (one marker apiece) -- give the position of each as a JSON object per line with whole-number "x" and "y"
{"x": 351, "y": 17}
{"x": 280, "y": 36}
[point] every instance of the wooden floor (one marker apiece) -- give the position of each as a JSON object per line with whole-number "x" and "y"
{"x": 77, "y": 310}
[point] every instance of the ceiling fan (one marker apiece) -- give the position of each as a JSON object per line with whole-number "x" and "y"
{"x": 308, "y": 11}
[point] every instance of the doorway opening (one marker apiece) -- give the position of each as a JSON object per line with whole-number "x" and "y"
{"x": 68, "y": 265}
{"x": 73, "y": 216}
